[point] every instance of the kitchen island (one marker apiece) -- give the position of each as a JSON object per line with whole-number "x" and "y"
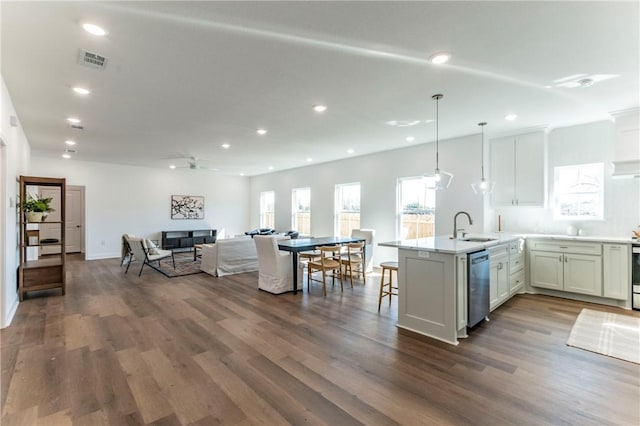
{"x": 432, "y": 283}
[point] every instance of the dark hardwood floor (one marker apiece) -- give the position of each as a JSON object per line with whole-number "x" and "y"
{"x": 199, "y": 350}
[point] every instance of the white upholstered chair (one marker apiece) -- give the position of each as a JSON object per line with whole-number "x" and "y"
{"x": 143, "y": 251}
{"x": 275, "y": 272}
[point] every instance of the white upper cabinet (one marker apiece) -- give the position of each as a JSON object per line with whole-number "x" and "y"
{"x": 517, "y": 168}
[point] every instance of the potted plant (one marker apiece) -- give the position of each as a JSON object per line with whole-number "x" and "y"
{"x": 35, "y": 208}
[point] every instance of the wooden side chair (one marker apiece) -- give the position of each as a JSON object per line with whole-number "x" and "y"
{"x": 353, "y": 261}
{"x": 327, "y": 261}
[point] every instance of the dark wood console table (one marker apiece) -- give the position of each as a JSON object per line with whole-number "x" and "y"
{"x": 187, "y": 239}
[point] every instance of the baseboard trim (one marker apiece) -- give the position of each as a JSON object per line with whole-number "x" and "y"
{"x": 11, "y": 313}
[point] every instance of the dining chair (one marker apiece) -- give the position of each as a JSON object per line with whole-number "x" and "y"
{"x": 274, "y": 266}
{"x": 353, "y": 261}
{"x": 327, "y": 261}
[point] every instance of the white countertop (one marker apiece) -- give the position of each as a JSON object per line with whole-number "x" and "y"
{"x": 589, "y": 238}
{"x": 445, "y": 244}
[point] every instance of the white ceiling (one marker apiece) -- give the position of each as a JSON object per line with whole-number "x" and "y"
{"x": 184, "y": 77}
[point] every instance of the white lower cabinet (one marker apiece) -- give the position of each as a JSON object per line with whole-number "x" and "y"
{"x": 461, "y": 280}
{"x": 516, "y": 267}
{"x": 567, "y": 266}
{"x": 616, "y": 271}
{"x": 499, "y": 275}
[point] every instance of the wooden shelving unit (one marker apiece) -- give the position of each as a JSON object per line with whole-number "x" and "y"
{"x": 47, "y": 272}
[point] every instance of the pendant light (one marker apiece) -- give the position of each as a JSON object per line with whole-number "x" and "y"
{"x": 441, "y": 179}
{"x": 482, "y": 186}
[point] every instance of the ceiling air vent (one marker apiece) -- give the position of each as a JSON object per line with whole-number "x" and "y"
{"x": 76, "y": 126}
{"x": 92, "y": 60}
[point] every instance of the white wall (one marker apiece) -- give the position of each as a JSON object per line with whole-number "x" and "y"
{"x": 587, "y": 143}
{"x": 136, "y": 200}
{"x": 14, "y": 162}
{"x": 378, "y": 174}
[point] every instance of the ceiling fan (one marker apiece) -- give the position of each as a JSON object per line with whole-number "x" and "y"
{"x": 193, "y": 163}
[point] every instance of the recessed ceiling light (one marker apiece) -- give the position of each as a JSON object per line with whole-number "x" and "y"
{"x": 439, "y": 58}
{"x": 66, "y": 156}
{"x": 241, "y": 173}
{"x": 319, "y": 108}
{"x": 261, "y": 131}
{"x": 350, "y": 151}
{"x": 70, "y": 142}
{"x": 270, "y": 167}
{"x": 309, "y": 159}
{"x": 73, "y": 120}
{"x": 94, "y": 29}
{"x": 586, "y": 82}
{"x": 225, "y": 146}
{"x": 410, "y": 138}
{"x": 402, "y": 123}
{"x": 81, "y": 90}
{"x": 172, "y": 166}
{"x": 510, "y": 117}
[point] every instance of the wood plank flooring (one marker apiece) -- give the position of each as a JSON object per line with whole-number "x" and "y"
{"x": 197, "y": 350}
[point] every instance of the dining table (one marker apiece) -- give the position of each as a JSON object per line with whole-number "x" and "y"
{"x": 297, "y": 245}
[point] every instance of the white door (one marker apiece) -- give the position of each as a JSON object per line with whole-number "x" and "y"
{"x": 50, "y": 228}
{"x": 583, "y": 274}
{"x": 546, "y": 269}
{"x": 74, "y": 226}
{"x": 502, "y": 171}
{"x": 74, "y": 232}
{"x": 529, "y": 169}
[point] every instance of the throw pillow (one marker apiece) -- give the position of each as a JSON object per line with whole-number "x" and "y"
{"x": 151, "y": 247}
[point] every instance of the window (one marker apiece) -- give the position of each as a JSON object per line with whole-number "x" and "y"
{"x": 416, "y": 207}
{"x": 579, "y": 192}
{"x": 301, "y": 210}
{"x": 347, "y": 205}
{"x": 267, "y": 209}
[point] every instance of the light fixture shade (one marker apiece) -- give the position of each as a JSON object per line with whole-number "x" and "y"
{"x": 483, "y": 186}
{"x": 440, "y": 180}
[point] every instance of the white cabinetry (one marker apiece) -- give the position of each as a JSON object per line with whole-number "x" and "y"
{"x": 567, "y": 265}
{"x": 461, "y": 280}
{"x": 516, "y": 266}
{"x": 616, "y": 272}
{"x": 517, "y": 167}
{"x": 499, "y": 275}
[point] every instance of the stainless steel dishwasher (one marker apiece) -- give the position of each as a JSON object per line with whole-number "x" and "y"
{"x": 478, "y": 287}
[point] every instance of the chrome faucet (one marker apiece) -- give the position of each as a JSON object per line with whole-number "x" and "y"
{"x": 455, "y": 223}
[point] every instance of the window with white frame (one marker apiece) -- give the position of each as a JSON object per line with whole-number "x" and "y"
{"x": 347, "y": 208}
{"x": 416, "y": 207}
{"x": 579, "y": 192}
{"x": 267, "y": 209}
{"x": 301, "y": 210}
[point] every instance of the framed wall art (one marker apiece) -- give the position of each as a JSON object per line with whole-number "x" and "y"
{"x": 187, "y": 207}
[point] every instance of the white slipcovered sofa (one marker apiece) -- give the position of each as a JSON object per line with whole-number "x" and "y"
{"x": 229, "y": 256}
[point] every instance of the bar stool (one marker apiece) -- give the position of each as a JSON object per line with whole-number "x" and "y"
{"x": 387, "y": 266}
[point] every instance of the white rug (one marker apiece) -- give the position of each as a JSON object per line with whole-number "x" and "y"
{"x": 608, "y": 334}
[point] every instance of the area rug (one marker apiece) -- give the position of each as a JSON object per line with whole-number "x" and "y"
{"x": 609, "y": 334}
{"x": 185, "y": 265}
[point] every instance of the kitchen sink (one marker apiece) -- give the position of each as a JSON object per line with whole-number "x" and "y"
{"x": 479, "y": 239}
